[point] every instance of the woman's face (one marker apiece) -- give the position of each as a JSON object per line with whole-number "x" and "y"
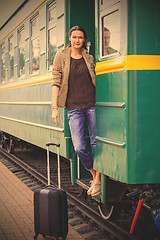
{"x": 77, "y": 39}
{"x": 106, "y": 39}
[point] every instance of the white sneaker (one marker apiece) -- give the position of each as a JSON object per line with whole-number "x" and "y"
{"x": 96, "y": 189}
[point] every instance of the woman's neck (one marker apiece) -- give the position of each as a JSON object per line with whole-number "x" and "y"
{"x": 76, "y": 53}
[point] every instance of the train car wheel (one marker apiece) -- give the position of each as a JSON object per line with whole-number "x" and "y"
{"x": 8, "y": 147}
{"x": 108, "y": 211}
{"x": 1, "y": 140}
{"x": 1, "y": 144}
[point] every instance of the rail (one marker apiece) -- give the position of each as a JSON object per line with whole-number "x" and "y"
{"x": 108, "y": 226}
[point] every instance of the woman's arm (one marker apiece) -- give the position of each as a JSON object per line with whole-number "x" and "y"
{"x": 57, "y": 69}
{"x": 55, "y": 113}
{"x": 57, "y": 79}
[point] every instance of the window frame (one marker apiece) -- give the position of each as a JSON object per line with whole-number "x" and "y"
{"x": 106, "y": 9}
{"x": 20, "y": 45}
{"x": 50, "y": 25}
{"x": 3, "y": 79}
{"x": 32, "y": 38}
{"x": 11, "y": 78}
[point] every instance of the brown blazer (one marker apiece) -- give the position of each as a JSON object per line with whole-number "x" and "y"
{"x": 61, "y": 68}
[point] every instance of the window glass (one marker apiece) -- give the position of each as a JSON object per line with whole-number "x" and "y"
{"x": 52, "y": 46}
{"x": 11, "y": 57}
{"x": 35, "y": 55}
{"x": 110, "y": 33}
{"x": 35, "y": 45}
{"x": 109, "y": 13}
{"x": 52, "y": 12}
{"x": 51, "y": 34}
{"x": 34, "y": 26}
{"x": 21, "y": 55}
{"x": 3, "y": 63}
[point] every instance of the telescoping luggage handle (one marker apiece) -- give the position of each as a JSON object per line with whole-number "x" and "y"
{"x": 48, "y": 167}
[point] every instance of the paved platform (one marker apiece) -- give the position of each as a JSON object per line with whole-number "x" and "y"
{"x": 17, "y": 210}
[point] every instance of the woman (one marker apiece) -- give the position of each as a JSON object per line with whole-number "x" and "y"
{"x": 74, "y": 88}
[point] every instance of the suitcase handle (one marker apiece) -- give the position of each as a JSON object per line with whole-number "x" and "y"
{"x": 53, "y": 144}
{"x": 58, "y": 158}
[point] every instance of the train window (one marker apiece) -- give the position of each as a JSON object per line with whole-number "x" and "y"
{"x": 52, "y": 11}
{"x": 2, "y": 62}
{"x": 11, "y": 57}
{"x": 21, "y": 52}
{"x": 51, "y": 33}
{"x": 35, "y": 46}
{"x": 110, "y": 30}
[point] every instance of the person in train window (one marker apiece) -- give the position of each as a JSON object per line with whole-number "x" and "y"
{"x": 106, "y": 48}
{"x": 74, "y": 88}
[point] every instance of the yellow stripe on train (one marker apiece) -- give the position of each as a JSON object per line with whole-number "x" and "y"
{"x": 130, "y": 62}
{"x": 27, "y": 82}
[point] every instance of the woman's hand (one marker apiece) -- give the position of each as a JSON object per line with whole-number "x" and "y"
{"x": 55, "y": 116}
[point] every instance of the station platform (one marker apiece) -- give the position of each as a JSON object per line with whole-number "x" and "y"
{"x": 17, "y": 210}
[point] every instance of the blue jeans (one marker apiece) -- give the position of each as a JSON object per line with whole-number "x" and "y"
{"x": 76, "y": 120}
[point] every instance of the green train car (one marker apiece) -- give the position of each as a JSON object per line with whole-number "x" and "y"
{"x": 28, "y": 44}
{"x": 125, "y": 41}
{"x": 127, "y": 96}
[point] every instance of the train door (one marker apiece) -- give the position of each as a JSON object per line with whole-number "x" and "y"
{"x": 80, "y": 13}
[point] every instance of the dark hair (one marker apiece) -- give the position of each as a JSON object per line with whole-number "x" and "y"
{"x": 106, "y": 29}
{"x": 79, "y": 28}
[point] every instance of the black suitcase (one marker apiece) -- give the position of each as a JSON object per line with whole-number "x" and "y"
{"x": 50, "y": 207}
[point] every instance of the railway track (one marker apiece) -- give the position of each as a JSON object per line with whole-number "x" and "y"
{"x": 83, "y": 215}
